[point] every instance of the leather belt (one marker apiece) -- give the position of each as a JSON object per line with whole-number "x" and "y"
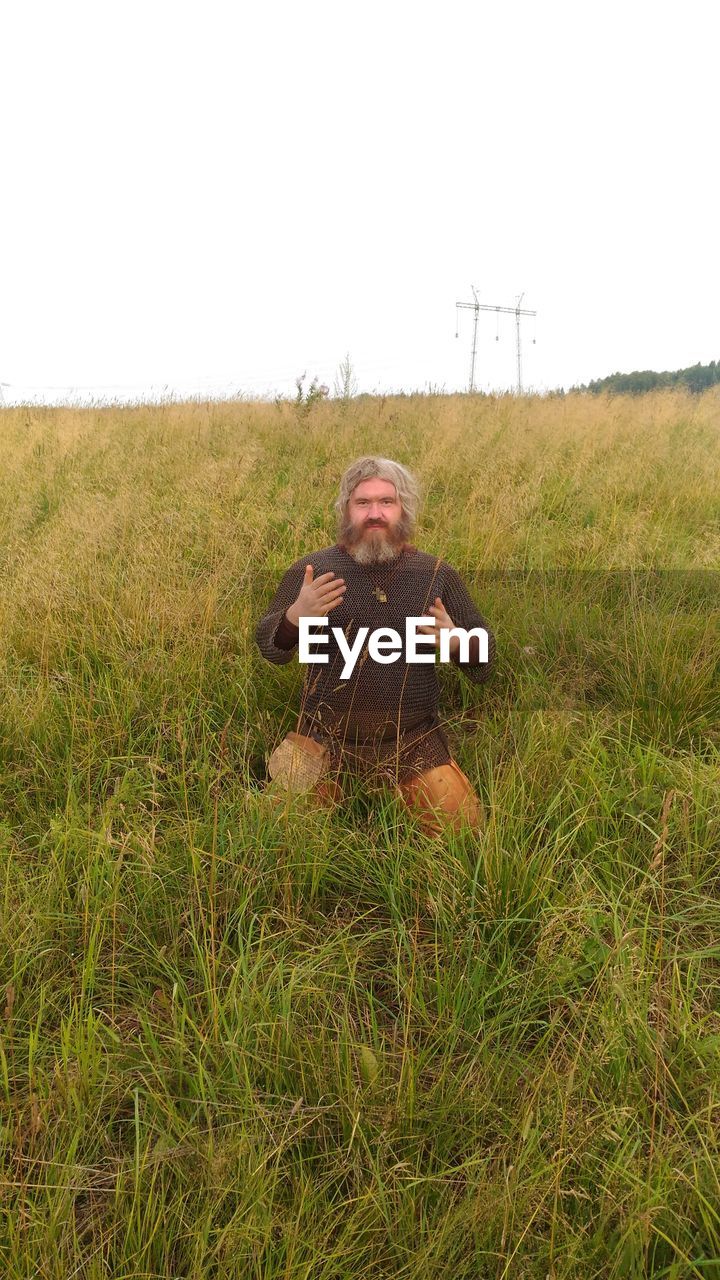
{"x": 350, "y": 735}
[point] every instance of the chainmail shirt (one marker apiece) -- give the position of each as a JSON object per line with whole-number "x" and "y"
{"x": 384, "y": 715}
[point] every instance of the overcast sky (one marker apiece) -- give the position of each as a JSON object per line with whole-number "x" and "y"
{"x": 216, "y": 197}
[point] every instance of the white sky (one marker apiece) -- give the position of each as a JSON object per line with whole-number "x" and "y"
{"x": 219, "y": 196}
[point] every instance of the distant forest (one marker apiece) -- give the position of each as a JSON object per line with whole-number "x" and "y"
{"x": 696, "y": 378}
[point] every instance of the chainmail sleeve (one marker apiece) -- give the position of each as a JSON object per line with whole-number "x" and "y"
{"x": 464, "y": 613}
{"x": 286, "y": 594}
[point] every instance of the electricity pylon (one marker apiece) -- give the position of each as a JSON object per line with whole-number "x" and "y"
{"x": 477, "y": 307}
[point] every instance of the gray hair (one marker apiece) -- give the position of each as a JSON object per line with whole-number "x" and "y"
{"x": 374, "y": 468}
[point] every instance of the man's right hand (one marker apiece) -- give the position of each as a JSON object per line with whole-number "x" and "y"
{"x": 316, "y": 598}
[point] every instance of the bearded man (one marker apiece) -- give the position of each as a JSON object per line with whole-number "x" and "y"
{"x": 383, "y": 719}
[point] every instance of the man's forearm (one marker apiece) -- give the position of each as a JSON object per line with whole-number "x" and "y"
{"x": 476, "y": 669}
{"x": 473, "y": 651}
{"x": 275, "y": 616}
{"x": 287, "y": 634}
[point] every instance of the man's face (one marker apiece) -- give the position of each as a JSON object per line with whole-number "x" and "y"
{"x": 374, "y": 504}
{"x": 375, "y": 527}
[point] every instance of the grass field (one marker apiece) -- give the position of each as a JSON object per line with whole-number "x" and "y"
{"x": 300, "y": 1046}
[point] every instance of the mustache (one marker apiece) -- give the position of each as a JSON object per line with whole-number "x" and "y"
{"x": 351, "y": 534}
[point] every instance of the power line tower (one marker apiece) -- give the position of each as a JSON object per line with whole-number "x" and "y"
{"x": 477, "y": 307}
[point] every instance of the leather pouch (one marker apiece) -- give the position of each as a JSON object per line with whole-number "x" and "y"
{"x": 298, "y": 762}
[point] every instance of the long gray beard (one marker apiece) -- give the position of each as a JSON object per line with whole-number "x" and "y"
{"x": 375, "y": 547}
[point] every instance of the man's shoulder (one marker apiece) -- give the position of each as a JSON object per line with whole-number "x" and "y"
{"x": 322, "y": 560}
{"x": 425, "y": 562}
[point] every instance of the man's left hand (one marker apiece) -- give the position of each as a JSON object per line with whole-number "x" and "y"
{"x": 442, "y": 622}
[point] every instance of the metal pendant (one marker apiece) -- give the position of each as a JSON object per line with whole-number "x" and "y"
{"x": 380, "y": 595}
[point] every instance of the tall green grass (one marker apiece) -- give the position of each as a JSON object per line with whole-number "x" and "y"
{"x": 241, "y": 1042}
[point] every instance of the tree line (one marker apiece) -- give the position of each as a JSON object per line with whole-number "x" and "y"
{"x": 696, "y": 378}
